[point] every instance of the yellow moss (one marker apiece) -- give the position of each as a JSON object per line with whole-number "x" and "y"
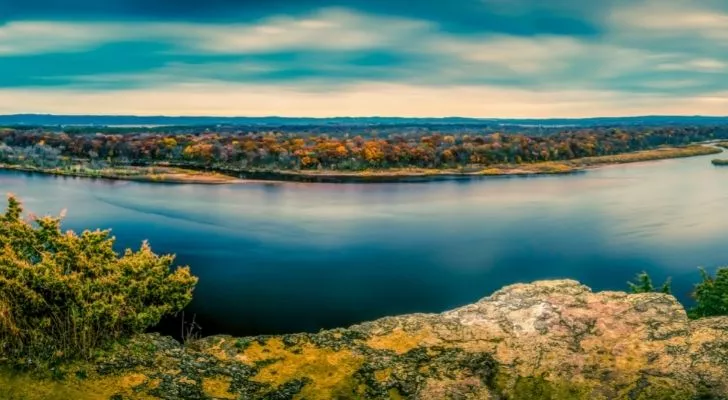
{"x": 330, "y": 371}
{"x": 153, "y": 384}
{"x": 218, "y": 351}
{"x": 187, "y": 380}
{"x": 399, "y": 341}
{"x": 273, "y": 348}
{"x": 394, "y": 394}
{"x": 131, "y": 380}
{"x": 217, "y": 388}
{"x": 383, "y": 375}
{"x": 26, "y": 387}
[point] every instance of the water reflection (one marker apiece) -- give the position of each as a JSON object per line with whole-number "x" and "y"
{"x": 292, "y": 257}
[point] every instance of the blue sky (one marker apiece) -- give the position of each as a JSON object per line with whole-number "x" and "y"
{"x": 480, "y": 58}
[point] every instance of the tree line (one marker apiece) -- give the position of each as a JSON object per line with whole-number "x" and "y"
{"x": 295, "y": 151}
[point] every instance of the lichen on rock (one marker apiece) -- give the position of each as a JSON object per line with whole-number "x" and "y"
{"x": 546, "y": 340}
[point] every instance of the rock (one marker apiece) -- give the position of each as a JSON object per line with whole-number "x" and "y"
{"x": 546, "y": 340}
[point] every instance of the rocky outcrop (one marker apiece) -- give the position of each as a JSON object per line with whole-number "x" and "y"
{"x": 546, "y": 340}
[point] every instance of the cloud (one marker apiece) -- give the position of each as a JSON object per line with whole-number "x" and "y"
{"x": 40, "y": 37}
{"x": 666, "y": 52}
{"x": 330, "y": 42}
{"x": 521, "y": 17}
{"x": 701, "y": 64}
{"x": 327, "y": 29}
{"x": 673, "y": 18}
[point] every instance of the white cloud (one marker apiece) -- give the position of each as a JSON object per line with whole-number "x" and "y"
{"x": 326, "y": 29}
{"x": 700, "y": 64}
{"x": 339, "y": 30}
{"x": 42, "y": 37}
{"x": 566, "y": 76}
{"x": 675, "y": 18}
{"x": 670, "y": 84}
{"x": 517, "y": 54}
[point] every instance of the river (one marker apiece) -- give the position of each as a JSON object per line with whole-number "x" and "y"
{"x": 289, "y": 257}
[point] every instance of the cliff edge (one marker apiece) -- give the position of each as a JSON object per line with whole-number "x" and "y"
{"x": 546, "y": 340}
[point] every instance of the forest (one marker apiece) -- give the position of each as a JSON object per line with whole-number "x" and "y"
{"x": 291, "y": 150}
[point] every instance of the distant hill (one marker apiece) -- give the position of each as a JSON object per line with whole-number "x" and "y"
{"x": 125, "y": 120}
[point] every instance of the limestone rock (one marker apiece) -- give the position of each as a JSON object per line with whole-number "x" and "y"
{"x": 546, "y": 340}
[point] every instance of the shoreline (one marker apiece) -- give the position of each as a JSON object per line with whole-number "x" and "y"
{"x": 184, "y": 174}
{"x": 165, "y": 175}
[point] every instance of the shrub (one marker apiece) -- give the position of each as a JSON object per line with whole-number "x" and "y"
{"x": 62, "y": 294}
{"x": 711, "y": 295}
{"x": 644, "y": 285}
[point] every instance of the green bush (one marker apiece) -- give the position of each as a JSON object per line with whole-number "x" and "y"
{"x": 711, "y": 295}
{"x": 644, "y": 284}
{"x": 62, "y": 294}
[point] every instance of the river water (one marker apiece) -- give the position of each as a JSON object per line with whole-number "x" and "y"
{"x": 289, "y": 257}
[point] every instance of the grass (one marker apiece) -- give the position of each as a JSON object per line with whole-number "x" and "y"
{"x": 719, "y": 162}
{"x": 647, "y": 155}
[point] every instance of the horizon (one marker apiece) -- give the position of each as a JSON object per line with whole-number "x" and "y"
{"x": 83, "y": 115}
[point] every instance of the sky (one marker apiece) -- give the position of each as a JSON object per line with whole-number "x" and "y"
{"x": 319, "y": 58}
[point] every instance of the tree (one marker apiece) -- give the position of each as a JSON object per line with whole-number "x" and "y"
{"x": 644, "y": 285}
{"x": 63, "y": 294}
{"x": 711, "y": 294}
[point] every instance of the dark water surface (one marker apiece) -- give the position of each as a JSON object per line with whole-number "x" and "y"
{"x": 291, "y": 257}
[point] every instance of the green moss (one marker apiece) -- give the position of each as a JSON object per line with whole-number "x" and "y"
{"x": 658, "y": 389}
{"x": 386, "y": 372}
{"x": 539, "y": 388}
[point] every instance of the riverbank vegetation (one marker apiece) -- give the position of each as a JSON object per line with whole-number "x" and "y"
{"x": 64, "y": 295}
{"x": 243, "y": 153}
{"x": 538, "y": 168}
{"x": 157, "y": 173}
{"x": 647, "y": 155}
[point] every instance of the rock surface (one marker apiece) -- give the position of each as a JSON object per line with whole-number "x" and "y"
{"x": 546, "y": 340}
